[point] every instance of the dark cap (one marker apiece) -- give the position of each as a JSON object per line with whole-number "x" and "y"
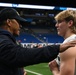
{"x": 10, "y": 13}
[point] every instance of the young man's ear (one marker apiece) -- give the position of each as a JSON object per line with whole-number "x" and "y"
{"x": 71, "y": 22}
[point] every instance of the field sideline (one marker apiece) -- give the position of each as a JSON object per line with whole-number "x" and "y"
{"x": 38, "y": 69}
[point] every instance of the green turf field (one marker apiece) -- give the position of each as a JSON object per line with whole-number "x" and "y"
{"x": 38, "y": 69}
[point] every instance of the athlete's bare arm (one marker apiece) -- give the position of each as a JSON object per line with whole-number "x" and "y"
{"x": 67, "y": 63}
{"x": 67, "y": 60}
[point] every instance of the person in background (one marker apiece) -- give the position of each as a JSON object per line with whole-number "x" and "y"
{"x": 65, "y": 63}
{"x": 12, "y": 56}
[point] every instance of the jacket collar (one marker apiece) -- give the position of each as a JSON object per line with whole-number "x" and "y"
{"x": 7, "y": 33}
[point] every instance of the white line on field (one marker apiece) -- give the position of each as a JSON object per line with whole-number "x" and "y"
{"x": 33, "y": 72}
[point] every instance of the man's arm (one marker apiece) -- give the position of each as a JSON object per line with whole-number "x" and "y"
{"x": 18, "y": 56}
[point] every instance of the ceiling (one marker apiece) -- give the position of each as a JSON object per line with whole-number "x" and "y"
{"x": 68, "y": 3}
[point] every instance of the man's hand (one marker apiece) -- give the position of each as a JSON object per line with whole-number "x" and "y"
{"x": 25, "y": 73}
{"x": 65, "y": 46}
{"x": 54, "y": 67}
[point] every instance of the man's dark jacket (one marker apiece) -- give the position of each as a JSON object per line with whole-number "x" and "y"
{"x": 13, "y": 56}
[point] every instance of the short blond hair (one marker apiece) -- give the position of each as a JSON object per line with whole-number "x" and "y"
{"x": 67, "y": 15}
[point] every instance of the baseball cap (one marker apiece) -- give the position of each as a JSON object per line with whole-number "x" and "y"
{"x": 10, "y": 13}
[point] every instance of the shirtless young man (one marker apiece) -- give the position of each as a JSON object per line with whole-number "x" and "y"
{"x": 66, "y": 27}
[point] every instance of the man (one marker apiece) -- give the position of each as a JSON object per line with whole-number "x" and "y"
{"x": 13, "y": 56}
{"x": 66, "y": 27}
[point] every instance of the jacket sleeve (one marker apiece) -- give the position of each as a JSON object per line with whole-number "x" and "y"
{"x": 17, "y": 56}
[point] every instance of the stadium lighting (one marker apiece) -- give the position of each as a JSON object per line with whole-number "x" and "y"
{"x": 71, "y": 8}
{"x": 34, "y": 6}
{"x": 26, "y": 6}
{"x": 5, "y": 4}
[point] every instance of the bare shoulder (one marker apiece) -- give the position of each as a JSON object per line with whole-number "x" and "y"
{"x": 70, "y": 52}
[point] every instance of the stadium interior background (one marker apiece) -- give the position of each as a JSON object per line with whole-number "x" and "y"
{"x": 39, "y": 28}
{"x": 40, "y": 25}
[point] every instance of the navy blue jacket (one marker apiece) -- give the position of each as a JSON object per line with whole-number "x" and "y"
{"x": 13, "y": 56}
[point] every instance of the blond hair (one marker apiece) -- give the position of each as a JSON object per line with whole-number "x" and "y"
{"x": 67, "y": 15}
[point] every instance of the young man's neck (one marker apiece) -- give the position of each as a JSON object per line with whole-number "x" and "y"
{"x": 68, "y": 35}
